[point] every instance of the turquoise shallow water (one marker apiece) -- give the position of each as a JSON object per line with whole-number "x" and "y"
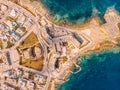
{"x": 100, "y": 71}
{"x": 78, "y": 10}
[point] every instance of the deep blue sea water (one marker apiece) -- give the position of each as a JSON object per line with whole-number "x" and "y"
{"x": 78, "y": 10}
{"x": 100, "y": 71}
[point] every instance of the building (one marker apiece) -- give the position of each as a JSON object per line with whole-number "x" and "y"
{"x": 21, "y": 31}
{"x": 8, "y": 86}
{"x": 43, "y": 22}
{"x": 22, "y": 83}
{"x": 14, "y": 12}
{"x": 26, "y": 75}
{"x": 38, "y": 78}
{"x": 64, "y": 51}
{"x": 58, "y": 47}
{"x": 50, "y": 31}
{"x": 8, "y": 59}
{"x": 9, "y": 23}
{"x": 76, "y": 36}
{"x": 4, "y": 7}
{"x": 37, "y": 51}
{"x": 27, "y": 24}
{"x": 21, "y": 19}
{"x": 15, "y": 35}
{"x": 7, "y": 73}
{"x": 75, "y": 42}
{"x": 26, "y": 54}
{"x": 46, "y": 37}
{"x": 30, "y": 85}
{"x": 4, "y": 26}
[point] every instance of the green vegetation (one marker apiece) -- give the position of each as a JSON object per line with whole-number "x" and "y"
{"x": 30, "y": 41}
{"x": 10, "y": 19}
{"x": 1, "y": 45}
{"x": 1, "y": 61}
{"x": 23, "y": 29}
{"x": 14, "y": 1}
{"x": 31, "y": 77}
{"x": 62, "y": 59}
{"x": 32, "y": 62}
{"x": 16, "y": 27}
{"x": 35, "y": 63}
{"x": 118, "y": 25}
{"x": 13, "y": 20}
{"x": 107, "y": 44}
{"x": 9, "y": 44}
{"x": 50, "y": 85}
{"x": 44, "y": 80}
{"x": 118, "y": 42}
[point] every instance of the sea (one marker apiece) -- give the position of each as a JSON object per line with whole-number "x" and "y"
{"x": 99, "y": 70}
{"x": 79, "y": 11}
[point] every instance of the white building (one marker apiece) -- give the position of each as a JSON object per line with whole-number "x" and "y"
{"x": 43, "y": 22}
{"x": 30, "y": 85}
{"x": 21, "y": 19}
{"x": 64, "y": 51}
{"x": 21, "y": 31}
{"x": 14, "y": 12}
{"x": 26, "y": 54}
{"x": 9, "y": 23}
{"x": 16, "y": 37}
{"x": 37, "y": 51}
{"x": 4, "y": 7}
{"x": 27, "y": 24}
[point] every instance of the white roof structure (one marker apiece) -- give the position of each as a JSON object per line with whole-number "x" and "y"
{"x": 16, "y": 37}
{"x": 20, "y": 31}
{"x": 26, "y": 54}
{"x": 30, "y": 85}
{"x": 9, "y": 23}
{"x": 14, "y": 12}
{"x": 37, "y": 51}
{"x": 43, "y": 22}
{"x": 21, "y": 18}
{"x": 4, "y": 7}
{"x": 27, "y": 24}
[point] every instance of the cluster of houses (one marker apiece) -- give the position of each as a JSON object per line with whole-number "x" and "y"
{"x": 5, "y": 60}
{"x": 61, "y": 42}
{"x": 13, "y": 25}
{"x": 3, "y": 9}
{"x": 56, "y": 38}
{"x": 17, "y": 79}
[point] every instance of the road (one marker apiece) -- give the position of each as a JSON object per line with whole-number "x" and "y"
{"x": 45, "y": 68}
{"x": 35, "y": 28}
